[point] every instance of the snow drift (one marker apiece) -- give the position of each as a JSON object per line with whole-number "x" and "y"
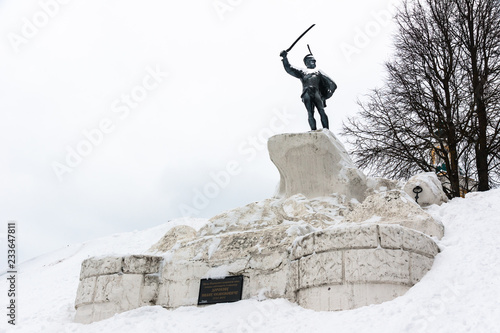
{"x": 459, "y": 294}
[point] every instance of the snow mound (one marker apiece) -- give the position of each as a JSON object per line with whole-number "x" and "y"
{"x": 459, "y": 294}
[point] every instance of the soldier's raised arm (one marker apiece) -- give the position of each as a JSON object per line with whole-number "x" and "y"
{"x": 289, "y": 68}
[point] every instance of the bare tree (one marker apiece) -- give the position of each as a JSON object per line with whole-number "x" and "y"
{"x": 478, "y": 33}
{"x": 423, "y": 108}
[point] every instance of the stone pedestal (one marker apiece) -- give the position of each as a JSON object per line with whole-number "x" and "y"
{"x": 319, "y": 243}
{"x": 315, "y": 164}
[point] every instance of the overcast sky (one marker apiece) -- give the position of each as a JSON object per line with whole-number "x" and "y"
{"x": 121, "y": 115}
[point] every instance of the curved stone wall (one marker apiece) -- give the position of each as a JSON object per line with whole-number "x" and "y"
{"x": 339, "y": 268}
{"x": 345, "y": 268}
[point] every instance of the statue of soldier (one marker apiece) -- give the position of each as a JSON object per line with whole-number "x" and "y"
{"x": 317, "y": 87}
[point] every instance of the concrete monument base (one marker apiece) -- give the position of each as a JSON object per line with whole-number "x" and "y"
{"x": 342, "y": 244}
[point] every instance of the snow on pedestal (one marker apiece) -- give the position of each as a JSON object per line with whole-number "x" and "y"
{"x": 314, "y": 243}
{"x": 432, "y": 193}
{"x": 396, "y": 207}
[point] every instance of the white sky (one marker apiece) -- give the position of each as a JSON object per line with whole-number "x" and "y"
{"x": 69, "y": 68}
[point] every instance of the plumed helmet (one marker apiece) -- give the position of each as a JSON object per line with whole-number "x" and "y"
{"x": 309, "y": 56}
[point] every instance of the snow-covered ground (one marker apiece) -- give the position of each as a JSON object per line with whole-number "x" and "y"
{"x": 460, "y": 294}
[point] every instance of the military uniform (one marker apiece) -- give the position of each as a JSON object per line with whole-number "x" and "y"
{"x": 317, "y": 87}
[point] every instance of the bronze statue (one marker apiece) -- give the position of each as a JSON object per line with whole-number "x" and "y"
{"x": 317, "y": 87}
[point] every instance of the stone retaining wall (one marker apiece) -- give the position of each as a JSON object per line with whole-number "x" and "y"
{"x": 347, "y": 268}
{"x": 116, "y": 284}
{"x": 334, "y": 269}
